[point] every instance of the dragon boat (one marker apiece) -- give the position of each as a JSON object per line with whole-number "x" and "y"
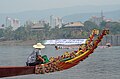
{"x": 66, "y": 61}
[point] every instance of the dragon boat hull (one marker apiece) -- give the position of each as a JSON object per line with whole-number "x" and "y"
{"x": 25, "y": 70}
{"x": 14, "y": 71}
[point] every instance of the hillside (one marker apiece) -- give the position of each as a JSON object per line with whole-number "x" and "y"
{"x": 84, "y": 12}
{"x": 114, "y": 15}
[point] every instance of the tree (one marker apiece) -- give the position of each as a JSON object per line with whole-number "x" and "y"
{"x": 8, "y": 33}
{"x": 46, "y": 31}
{"x": 20, "y": 34}
{"x": 114, "y": 27}
{"x": 1, "y": 32}
{"x": 88, "y": 26}
{"x": 103, "y": 24}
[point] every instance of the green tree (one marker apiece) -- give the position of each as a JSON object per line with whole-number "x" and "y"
{"x": 1, "y": 32}
{"x": 46, "y": 31}
{"x": 88, "y": 26}
{"x": 103, "y": 24}
{"x": 20, "y": 34}
{"x": 8, "y": 33}
{"x": 114, "y": 27}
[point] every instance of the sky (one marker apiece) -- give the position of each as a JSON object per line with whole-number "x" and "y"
{"x": 13, "y": 6}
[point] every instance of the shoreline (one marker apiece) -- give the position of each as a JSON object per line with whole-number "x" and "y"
{"x": 24, "y": 43}
{"x": 18, "y": 42}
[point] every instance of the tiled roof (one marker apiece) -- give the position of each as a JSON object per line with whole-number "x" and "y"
{"x": 72, "y": 24}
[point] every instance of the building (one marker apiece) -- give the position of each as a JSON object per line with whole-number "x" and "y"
{"x": 75, "y": 28}
{"x": 73, "y": 25}
{"x": 55, "y": 22}
{"x": 36, "y": 25}
{"x": 15, "y": 23}
{"x": 96, "y": 20}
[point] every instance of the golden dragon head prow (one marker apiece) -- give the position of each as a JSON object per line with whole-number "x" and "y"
{"x": 106, "y": 31}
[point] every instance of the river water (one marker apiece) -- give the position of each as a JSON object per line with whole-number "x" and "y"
{"x": 104, "y": 63}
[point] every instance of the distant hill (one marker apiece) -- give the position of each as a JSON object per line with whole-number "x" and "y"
{"x": 75, "y": 13}
{"x": 114, "y": 15}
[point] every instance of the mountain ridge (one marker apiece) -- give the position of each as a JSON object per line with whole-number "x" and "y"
{"x": 61, "y": 12}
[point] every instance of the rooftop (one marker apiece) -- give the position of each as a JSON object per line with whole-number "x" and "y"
{"x": 74, "y": 24}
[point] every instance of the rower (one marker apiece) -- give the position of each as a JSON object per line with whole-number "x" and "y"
{"x": 35, "y": 57}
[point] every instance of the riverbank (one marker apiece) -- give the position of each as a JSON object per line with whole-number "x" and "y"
{"x": 18, "y": 42}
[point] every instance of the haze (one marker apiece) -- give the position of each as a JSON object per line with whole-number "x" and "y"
{"x": 13, "y": 6}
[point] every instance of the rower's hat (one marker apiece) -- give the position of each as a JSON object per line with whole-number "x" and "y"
{"x": 38, "y": 45}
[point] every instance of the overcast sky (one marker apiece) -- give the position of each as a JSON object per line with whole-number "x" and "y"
{"x": 11, "y": 6}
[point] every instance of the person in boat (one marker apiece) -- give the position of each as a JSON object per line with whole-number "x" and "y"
{"x": 108, "y": 44}
{"x": 35, "y": 57}
{"x": 56, "y": 47}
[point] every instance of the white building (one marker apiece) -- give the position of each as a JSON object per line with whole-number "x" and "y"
{"x": 15, "y": 23}
{"x": 55, "y": 22}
